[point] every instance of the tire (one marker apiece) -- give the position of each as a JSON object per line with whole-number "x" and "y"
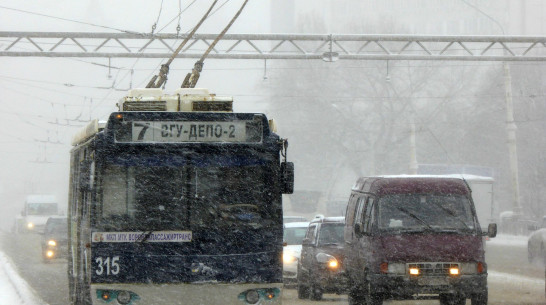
{"x": 479, "y": 299}
{"x": 303, "y": 292}
{"x": 316, "y": 293}
{"x": 373, "y": 298}
{"x": 452, "y": 299}
{"x": 356, "y": 295}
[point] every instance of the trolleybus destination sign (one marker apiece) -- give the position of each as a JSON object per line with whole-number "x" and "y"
{"x": 190, "y": 131}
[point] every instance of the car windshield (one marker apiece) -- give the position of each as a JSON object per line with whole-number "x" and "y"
{"x": 407, "y": 212}
{"x": 331, "y": 233}
{"x": 56, "y": 226}
{"x": 42, "y": 208}
{"x": 294, "y": 235}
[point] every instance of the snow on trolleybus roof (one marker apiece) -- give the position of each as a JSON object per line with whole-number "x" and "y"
{"x": 155, "y": 100}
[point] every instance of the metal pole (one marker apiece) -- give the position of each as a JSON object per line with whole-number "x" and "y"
{"x": 512, "y": 141}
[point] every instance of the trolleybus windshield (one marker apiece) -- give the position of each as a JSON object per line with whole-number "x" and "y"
{"x": 185, "y": 197}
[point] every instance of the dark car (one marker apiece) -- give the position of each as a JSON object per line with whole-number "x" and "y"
{"x": 320, "y": 268}
{"x": 55, "y": 238}
{"x": 409, "y": 237}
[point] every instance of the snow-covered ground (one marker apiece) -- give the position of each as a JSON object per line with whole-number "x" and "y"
{"x": 14, "y": 290}
{"x": 509, "y": 240}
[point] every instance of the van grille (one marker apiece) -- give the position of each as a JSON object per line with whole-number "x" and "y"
{"x": 433, "y": 269}
{"x": 145, "y": 106}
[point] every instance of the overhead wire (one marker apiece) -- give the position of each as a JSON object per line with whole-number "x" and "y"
{"x": 138, "y": 59}
{"x": 158, "y": 16}
{"x": 191, "y": 78}
{"x": 159, "y": 80}
{"x": 69, "y": 20}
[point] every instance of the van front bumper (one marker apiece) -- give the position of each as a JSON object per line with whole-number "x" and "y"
{"x": 403, "y": 286}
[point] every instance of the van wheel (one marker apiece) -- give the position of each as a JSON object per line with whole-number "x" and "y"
{"x": 452, "y": 299}
{"x": 373, "y": 298}
{"x": 356, "y": 297}
{"x": 479, "y": 299}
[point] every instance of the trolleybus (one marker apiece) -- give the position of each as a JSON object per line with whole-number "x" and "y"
{"x": 176, "y": 199}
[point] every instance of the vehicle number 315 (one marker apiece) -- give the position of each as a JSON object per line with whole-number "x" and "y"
{"x": 107, "y": 266}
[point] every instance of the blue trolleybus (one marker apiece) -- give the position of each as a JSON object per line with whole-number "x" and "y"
{"x": 176, "y": 199}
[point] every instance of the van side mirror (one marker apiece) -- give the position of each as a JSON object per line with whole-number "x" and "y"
{"x": 306, "y": 242}
{"x": 287, "y": 177}
{"x": 492, "y": 230}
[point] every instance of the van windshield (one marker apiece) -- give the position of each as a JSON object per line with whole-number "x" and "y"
{"x": 425, "y": 212}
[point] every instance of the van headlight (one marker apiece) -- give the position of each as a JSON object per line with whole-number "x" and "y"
{"x": 469, "y": 268}
{"x": 396, "y": 268}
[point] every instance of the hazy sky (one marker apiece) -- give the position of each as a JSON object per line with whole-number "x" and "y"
{"x": 45, "y": 100}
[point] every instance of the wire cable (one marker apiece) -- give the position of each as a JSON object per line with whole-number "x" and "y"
{"x": 159, "y": 80}
{"x": 158, "y": 16}
{"x": 191, "y": 78}
{"x": 70, "y": 20}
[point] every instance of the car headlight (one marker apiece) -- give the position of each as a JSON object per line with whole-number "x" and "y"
{"x": 30, "y": 225}
{"x": 52, "y": 243}
{"x": 330, "y": 261}
{"x": 288, "y": 257}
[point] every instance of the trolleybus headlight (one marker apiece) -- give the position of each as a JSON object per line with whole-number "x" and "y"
{"x": 105, "y": 295}
{"x": 270, "y": 294}
{"x": 252, "y": 297}
{"x": 52, "y": 243}
{"x": 124, "y": 297}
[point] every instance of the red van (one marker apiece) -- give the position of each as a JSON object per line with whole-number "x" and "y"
{"x": 414, "y": 237}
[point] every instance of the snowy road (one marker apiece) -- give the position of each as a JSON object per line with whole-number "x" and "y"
{"x": 512, "y": 280}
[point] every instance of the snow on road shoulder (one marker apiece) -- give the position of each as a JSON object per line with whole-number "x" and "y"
{"x": 509, "y": 240}
{"x": 14, "y": 289}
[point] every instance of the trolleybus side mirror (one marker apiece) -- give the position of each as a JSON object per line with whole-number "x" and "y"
{"x": 287, "y": 177}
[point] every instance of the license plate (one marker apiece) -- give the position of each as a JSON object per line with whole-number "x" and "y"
{"x": 432, "y": 281}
